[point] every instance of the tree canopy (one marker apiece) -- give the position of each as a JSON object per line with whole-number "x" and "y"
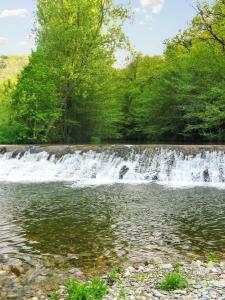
{"x": 71, "y": 91}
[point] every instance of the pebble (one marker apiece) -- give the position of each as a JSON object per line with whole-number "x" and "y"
{"x": 206, "y": 282}
{"x": 167, "y": 266}
{"x": 219, "y": 283}
{"x": 157, "y": 294}
{"x": 203, "y": 283}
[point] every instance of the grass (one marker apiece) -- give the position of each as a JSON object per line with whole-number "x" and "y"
{"x": 55, "y": 295}
{"x": 212, "y": 256}
{"x": 140, "y": 277}
{"x": 11, "y": 66}
{"x": 94, "y": 289}
{"x": 122, "y": 294}
{"x": 173, "y": 281}
{"x": 113, "y": 278}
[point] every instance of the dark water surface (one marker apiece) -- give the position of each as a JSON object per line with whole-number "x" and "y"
{"x": 97, "y": 228}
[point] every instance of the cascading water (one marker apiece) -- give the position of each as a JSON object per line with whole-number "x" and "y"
{"x": 110, "y": 165}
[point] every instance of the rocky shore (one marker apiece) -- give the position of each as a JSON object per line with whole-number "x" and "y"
{"x": 206, "y": 281}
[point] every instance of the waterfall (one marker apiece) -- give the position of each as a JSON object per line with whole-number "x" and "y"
{"x": 110, "y": 165}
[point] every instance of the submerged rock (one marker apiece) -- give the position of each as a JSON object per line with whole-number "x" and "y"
{"x": 206, "y": 175}
{"x": 123, "y": 172}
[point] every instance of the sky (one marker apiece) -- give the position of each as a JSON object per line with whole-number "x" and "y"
{"x": 153, "y": 22}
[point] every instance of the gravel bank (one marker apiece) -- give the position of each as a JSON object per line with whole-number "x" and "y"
{"x": 206, "y": 281}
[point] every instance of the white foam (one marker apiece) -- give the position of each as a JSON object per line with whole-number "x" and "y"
{"x": 169, "y": 167}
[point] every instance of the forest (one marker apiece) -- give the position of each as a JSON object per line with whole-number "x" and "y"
{"x": 71, "y": 92}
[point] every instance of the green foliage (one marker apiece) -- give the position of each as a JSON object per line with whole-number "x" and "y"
{"x": 173, "y": 281}
{"x": 212, "y": 256}
{"x": 35, "y": 103}
{"x": 55, "y": 295}
{"x": 66, "y": 92}
{"x": 123, "y": 294}
{"x": 92, "y": 290}
{"x": 140, "y": 277}
{"x": 70, "y": 91}
{"x": 113, "y": 278}
{"x": 4, "y": 56}
{"x": 179, "y": 97}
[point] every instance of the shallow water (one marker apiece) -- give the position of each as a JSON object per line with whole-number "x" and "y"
{"x": 96, "y": 228}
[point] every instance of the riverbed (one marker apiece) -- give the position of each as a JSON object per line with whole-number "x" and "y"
{"x": 56, "y": 230}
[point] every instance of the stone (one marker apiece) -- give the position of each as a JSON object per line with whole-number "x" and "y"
{"x": 126, "y": 274}
{"x": 210, "y": 264}
{"x": 196, "y": 264}
{"x": 3, "y": 273}
{"x": 181, "y": 292}
{"x": 141, "y": 269}
{"x": 190, "y": 298}
{"x": 213, "y": 294}
{"x": 197, "y": 286}
{"x": 219, "y": 283}
{"x": 157, "y": 294}
{"x": 157, "y": 260}
{"x": 167, "y": 266}
{"x": 123, "y": 172}
{"x": 6, "y": 268}
{"x": 214, "y": 270}
{"x": 130, "y": 269}
{"x": 76, "y": 272}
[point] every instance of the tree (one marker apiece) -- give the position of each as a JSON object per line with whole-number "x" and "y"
{"x": 76, "y": 42}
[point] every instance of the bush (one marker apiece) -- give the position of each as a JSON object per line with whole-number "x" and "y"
{"x": 4, "y": 57}
{"x": 91, "y": 290}
{"x": 173, "y": 281}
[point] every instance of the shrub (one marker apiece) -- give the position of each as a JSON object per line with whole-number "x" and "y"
{"x": 173, "y": 281}
{"x": 4, "y": 57}
{"x": 91, "y": 290}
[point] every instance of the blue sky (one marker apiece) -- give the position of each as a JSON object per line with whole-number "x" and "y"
{"x": 154, "y": 21}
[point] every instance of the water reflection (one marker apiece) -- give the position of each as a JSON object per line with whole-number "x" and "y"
{"x": 97, "y": 228}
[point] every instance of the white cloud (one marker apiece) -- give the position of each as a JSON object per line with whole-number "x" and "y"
{"x": 22, "y": 43}
{"x": 147, "y": 19}
{"x": 28, "y": 41}
{"x": 139, "y": 10}
{"x": 22, "y": 12}
{"x": 3, "y": 40}
{"x": 155, "y": 5}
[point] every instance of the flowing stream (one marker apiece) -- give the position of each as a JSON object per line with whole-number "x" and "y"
{"x": 124, "y": 165}
{"x": 93, "y": 210}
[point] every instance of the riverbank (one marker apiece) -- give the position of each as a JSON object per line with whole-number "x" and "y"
{"x": 205, "y": 281}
